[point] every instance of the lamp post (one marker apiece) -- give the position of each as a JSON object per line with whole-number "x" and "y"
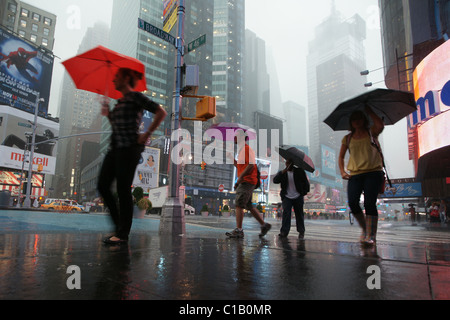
{"x": 27, "y": 202}
{"x": 172, "y": 215}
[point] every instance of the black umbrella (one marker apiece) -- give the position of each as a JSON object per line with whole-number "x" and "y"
{"x": 390, "y": 105}
{"x": 297, "y": 156}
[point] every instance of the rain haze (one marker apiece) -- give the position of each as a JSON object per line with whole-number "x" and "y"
{"x": 286, "y": 30}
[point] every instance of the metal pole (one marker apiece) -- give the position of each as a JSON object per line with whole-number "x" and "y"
{"x": 27, "y": 202}
{"x": 172, "y": 216}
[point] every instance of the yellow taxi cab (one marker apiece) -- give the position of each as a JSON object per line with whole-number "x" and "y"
{"x": 60, "y": 206}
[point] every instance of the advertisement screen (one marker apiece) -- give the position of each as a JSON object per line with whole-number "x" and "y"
{"x": 25, "y": 72}
{"x": 434, "y": 134}
{"x": 328, "y": 161}
{"x": 15, "y": 136}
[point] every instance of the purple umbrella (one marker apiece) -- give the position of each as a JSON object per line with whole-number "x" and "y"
{"x": 228, "y": 131}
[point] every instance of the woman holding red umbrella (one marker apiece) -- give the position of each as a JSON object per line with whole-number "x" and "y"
{"x": 126, "y": 146}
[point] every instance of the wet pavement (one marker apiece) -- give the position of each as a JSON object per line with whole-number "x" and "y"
{"x": 38, "y": 251}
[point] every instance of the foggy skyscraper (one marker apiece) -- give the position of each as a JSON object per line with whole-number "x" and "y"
{"x": 336, "y": 57}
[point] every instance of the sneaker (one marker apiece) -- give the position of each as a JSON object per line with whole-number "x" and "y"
{"x": 264, "y": 229}
{"x": 236, "y": 233}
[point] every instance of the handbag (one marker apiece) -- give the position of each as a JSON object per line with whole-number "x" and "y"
{"x": 385, "y": 177}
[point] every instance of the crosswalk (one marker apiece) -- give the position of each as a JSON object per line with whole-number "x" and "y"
{"x": 387, "y": 232}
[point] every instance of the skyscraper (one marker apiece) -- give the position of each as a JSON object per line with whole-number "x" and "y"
{"x": 336, "y": 57}
{"x": 229, "y": 35}
{"x": 257, "y": 79}
{"x": 79, "y": 113}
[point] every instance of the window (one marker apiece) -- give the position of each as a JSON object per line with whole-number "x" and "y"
{"x": 22, "y": 33}
{"x": 47, "y": 21}
{"x": 46, "y": 31}
{"x": 23, "y": 23}
{"x": 33, "y": 38}
{"x": 24, "y": 12}
{"x": 12, "y": 7}
{"x": 44, "y": 42}
{"x": 35, "y": 27}
{"x": 36, "y": 17}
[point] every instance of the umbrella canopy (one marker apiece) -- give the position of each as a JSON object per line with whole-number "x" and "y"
{"x": 95, "y": 69}
{"x": 228, "y": 130}
{"x": 297, "y": 156}
{"x": 390, "y": 105}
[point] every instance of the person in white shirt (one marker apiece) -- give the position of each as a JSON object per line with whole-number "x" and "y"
{"x": 294, "y": 186}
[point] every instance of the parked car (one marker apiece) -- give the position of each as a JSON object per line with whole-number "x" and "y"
{"x": 61, "y": 206}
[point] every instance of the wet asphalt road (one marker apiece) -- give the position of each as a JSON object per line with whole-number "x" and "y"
{"x": 38, "y": 250}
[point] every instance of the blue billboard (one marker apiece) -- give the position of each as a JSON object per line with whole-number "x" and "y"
{"x": 403, "y": 190}
{"x": 25, "y": 72}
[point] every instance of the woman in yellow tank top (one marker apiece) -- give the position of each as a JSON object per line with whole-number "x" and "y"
{"x": 365, "y": 170}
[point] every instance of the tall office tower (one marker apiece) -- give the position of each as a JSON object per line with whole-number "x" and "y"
{"x": 334, "y": 62}
{"x": 29, "y": 22}
{"x": 229, "y": 35}
{"x": 79, "y": 113}
{"x": 335, "y": 59}
{"x": 256, "y": 79}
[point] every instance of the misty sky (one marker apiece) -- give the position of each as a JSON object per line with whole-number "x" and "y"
{"x": 286, "y": 26}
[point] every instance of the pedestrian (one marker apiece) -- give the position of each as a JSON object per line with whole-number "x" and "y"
{"x": 365, "y": 167}
{"x": 294, "y": 186}
{"x": 442, "y": 211}
{"x": 247, "y": 173}
{"x": 126, "y": 146}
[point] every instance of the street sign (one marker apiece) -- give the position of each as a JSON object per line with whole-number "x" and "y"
{"x": 221, "y": 188}
{"x": 197, "y": 43}
{"x": 143, "y": 25}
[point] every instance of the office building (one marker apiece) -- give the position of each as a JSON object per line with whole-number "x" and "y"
{"x": 29, "y": 22}
{"x": 415, "y": 37}
{"x": 335, "y": 58}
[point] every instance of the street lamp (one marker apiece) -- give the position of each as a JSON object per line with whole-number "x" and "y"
{"x": 27, "y": 202}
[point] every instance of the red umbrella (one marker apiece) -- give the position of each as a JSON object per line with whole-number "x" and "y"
{"x": 95, "y": 69}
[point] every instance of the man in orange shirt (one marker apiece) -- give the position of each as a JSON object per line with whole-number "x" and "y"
{"x": 247, "y": 173}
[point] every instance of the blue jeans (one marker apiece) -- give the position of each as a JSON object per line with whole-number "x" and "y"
{"x": 370, "y": 184}
{"x": 288, "y": 204}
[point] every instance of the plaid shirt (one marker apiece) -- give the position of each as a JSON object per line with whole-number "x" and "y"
{"x": 126, "y": 118}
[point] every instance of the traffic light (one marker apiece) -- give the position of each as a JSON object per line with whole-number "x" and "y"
{"x": 206, "y": 108}
{"x": 203, "y": 165}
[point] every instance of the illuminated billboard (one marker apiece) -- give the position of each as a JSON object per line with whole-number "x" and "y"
{"x": 432, "y": 94}
{"x": 15, "y": 134}
{"x": 25, "y": 72}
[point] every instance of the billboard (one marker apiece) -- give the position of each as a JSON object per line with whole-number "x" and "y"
{"x": 15, "y": 130}
{"x": 25, "y": 72}
{"x": 328, "y": 161}
{"x": 432, "y": 93}
{"x": 147, "y": 171}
